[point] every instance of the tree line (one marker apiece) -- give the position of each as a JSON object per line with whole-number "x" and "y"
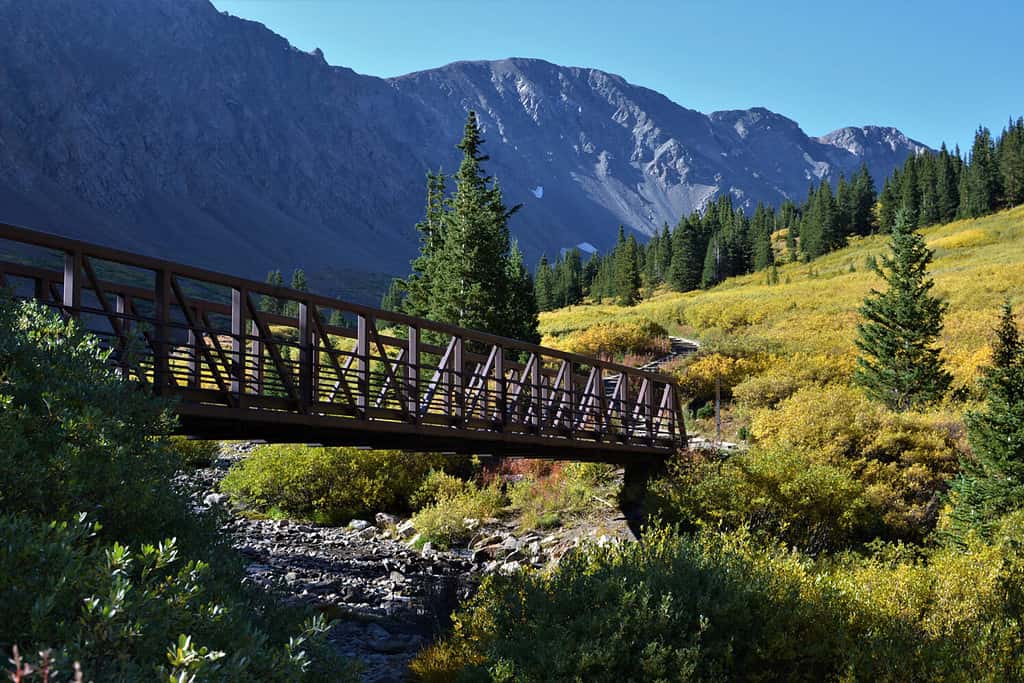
{"x": 721, "y": 241}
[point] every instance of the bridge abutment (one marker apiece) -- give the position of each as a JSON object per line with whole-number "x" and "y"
{"x": 634, "y": 500}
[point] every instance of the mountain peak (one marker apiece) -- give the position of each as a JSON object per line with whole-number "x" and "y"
{"x": 229, "y": 137}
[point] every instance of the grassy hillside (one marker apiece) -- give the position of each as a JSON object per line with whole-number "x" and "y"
{"x": 813, "y": 308}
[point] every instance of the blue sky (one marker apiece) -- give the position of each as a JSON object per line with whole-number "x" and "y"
{"x": 933, "y": 69}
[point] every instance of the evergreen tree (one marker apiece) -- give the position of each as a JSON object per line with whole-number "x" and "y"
{"x": 521, "y": 312}
{"x": 992, "y": 482}
{"x": 270, "y": 304}
{"x": 291, "y": 308}
{"x": 394, "y": 297}
{"x": 544, "y": 286}
{"x": 899, "y": 365}
{"x": 711, "y": 274}
{"x": 689, "y": 245}
{"x": 761, "y": 234}
{"x": 418, "y": 285}
{"x": 1011, "y": 162}
{"x": 981, "y": 178}
{"x": 627, "y": 274}
{"x": 946, "y": 182}
{"x": 467, "y": 273}
{"x": 664, "y": 254}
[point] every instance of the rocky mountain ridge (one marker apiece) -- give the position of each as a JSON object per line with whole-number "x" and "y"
{"x": 170, "y": 128}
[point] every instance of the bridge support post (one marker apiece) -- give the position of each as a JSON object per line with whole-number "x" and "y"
{"x": 633, "y": 500}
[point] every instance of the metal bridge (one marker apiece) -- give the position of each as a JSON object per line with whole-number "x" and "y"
{"x": 245, "y": 360}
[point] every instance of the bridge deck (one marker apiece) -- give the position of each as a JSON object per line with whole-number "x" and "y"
{"x": 250, "y": 361}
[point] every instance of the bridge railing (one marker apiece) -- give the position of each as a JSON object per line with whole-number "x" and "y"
{"x": 220, "y": 342}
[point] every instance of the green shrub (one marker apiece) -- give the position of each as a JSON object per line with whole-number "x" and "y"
{"x": 194, "y": 453}
{"x": 74, "y": 439}
{"x": 723, "y": 607}
{"x": 903, "y": 460}
{"x": 780, "y": 493}
{"x": 443, "y": 523}
{"x": 116, "y": 610}
{"x": 328, "y": 485}
{"x": 438, "y": 486}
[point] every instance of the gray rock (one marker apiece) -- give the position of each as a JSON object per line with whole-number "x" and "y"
{"x": 368, "y": 532}
{"x": 510, "y": 568}
{"x": 358, "y": 524}
{"x": 384, "y": 519}
{"x": 406, "y": 529}
{"x": 215, "y": 499}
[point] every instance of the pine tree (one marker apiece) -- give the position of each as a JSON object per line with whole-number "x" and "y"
{"x": 467, "y": 272}
{"x": 761, "y": 236}
{"x": 544, "y": 285}
{"x": 981, "y": 178}
{"x": 689, "y": 245}
{"x": 992, "y": 482}
{"x": 431, "y": 229}
{"x": 270, "y": 304}
{"x": 627, "y": 274}
{"x": 946, "y": 182}
{"x": 521, "y": 311}
{"x": 298, "y": 283}
{"x": 1011, "y": 162}
{"x": 899, "y": 365}
{"x": 393, "y": 298}
{"x": 711, "y": 274}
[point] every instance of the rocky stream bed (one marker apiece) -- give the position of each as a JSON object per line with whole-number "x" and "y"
{"x": 389, "y": 598}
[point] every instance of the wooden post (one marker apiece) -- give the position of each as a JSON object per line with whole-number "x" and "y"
{"x": 536, "y": 393}
{"x": 649, "y": 408}
{"x": 73, "y": 283}
{"x": 458, "y": 381}
{"x": 161, "y": 331}
{"x": 305, "y": 358}
{"x": 362, "y": 364}
{"x": 502, "y": 386}
{"x": 412, "y": 374}
{"x": 257, "y": 354}
{"x": 238, "y": 328}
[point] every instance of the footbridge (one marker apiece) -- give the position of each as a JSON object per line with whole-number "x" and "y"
{"x": 245, "y": 360}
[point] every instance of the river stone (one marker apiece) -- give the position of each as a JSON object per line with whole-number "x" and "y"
{"x": 384, "y": 519}
{"x": 406, "y": 529}
{"x": 358, "y": 524}
{"x": 215, "y": 499}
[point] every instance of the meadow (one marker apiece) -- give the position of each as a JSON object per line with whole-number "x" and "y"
{"x": 813, "y": 309}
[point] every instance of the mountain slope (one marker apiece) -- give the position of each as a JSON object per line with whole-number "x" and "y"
{"x": 170, "y": 128}
{"x": 812, "y": 313}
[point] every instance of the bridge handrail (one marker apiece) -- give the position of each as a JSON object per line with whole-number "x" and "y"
{"x": 48, "y": 240}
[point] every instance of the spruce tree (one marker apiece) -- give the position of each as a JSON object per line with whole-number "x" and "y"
{"x": 627, "y": 274}
{"x": 431, "y": 229}
{"x": 1011, "y": 162}
{"x": 467, "y": 272}
{"x": 298, "y": 283}
{"x": 393, "y": 298}
{"x": 992, "y": 481}
{"x": 270, "y": 304}
{"x": 981, "y": 178}
{"x": 899, "y": 364}
{"x": 521, "y": 305}
{"x": 544, "y": 286}
{"x": 689, "y": 245}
